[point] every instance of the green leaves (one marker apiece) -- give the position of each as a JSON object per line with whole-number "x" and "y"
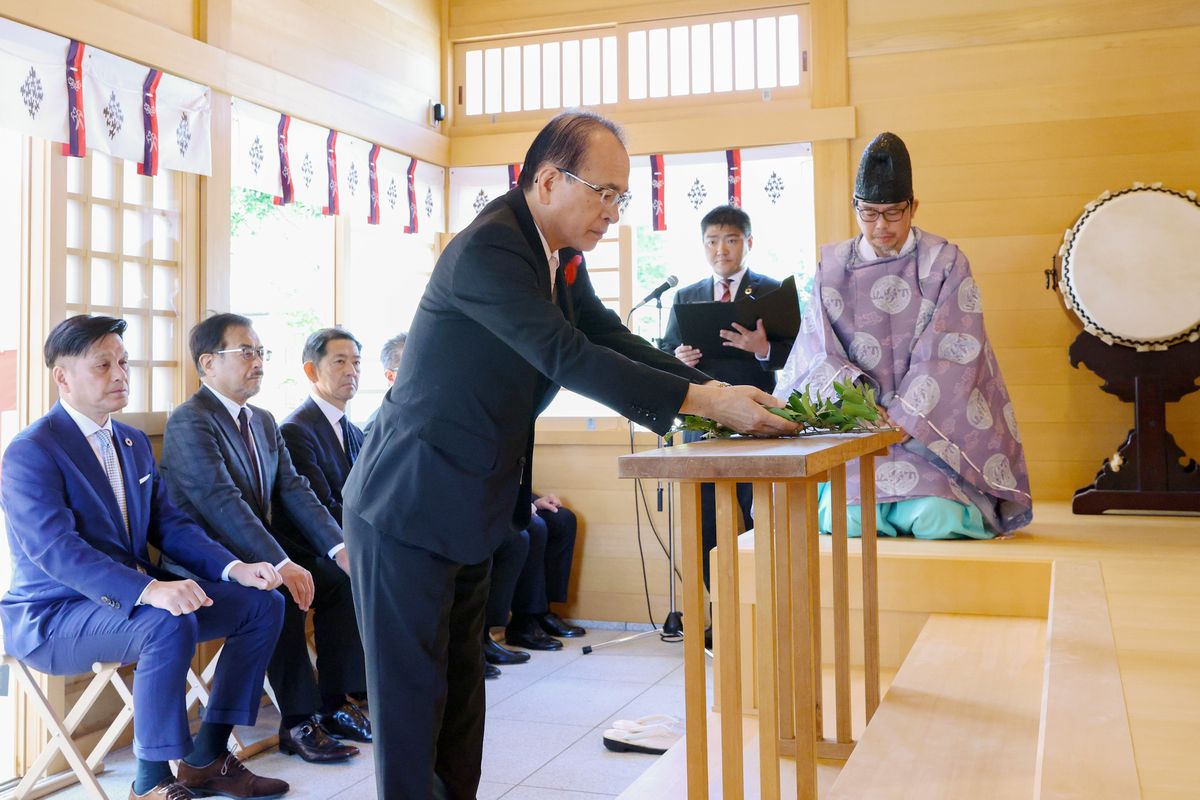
{"x": 853, "y": 409}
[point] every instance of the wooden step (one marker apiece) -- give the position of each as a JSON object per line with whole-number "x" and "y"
{"x": 960, "y": 719}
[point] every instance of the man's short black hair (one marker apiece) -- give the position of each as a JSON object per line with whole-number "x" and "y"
{"x": 392, "y": 350}
{"x": 563, "y": 143}
{"x": 75, "y": 335}
{"x": 317, "y": 343}
{"x": 732, "y": 216}
{"x": 209, "y": 336}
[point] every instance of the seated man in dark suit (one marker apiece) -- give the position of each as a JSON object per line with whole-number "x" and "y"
{"x": 323, "y": 444}
{"x": 727, "y": 239}
{"x": 389, "y": 356}
{"x": 83, "y": 502}
{"x": 543, "y": 581}
{"x": 226, "y": 465}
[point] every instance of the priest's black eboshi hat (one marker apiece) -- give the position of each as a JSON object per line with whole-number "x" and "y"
{"x": 885, "y": 171}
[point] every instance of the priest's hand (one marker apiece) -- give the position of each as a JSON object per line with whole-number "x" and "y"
{"x": 737, "y": 407}
{"x": 688, "y": 354}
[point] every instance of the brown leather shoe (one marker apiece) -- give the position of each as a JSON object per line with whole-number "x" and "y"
{"x": 226, "y": 776}
{"x": 310, "y": 741}
{"x": 169, "y": 789}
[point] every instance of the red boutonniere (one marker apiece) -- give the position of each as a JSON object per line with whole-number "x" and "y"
{"x": 570, "y": 269}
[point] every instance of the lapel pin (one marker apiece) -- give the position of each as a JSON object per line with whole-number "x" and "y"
{"x": 747, "y": 290}
{"x": 128, "y": 442}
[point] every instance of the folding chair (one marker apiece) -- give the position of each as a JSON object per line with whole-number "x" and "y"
{"x": 198, "y": 692}
{"x": 83, "y": 771}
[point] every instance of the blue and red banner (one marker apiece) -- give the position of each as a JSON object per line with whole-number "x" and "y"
{"x": 77, "y": 130}
{"x": 514, "y": 175}
{"x": 149, "y": 165}
{"x": 411, "y": 227}
{"x": 658, "y": 195}
{"x": 733, "y": 161}
{"x": 285, "y": 169}
{"x": 331, "y": 169}
{"x": 373, "y": 180}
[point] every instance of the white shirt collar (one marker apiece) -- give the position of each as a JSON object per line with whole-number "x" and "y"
{"x": 87, "y": 426}
{"x": 230, "y": 406}
{"x": 867, "y": 253}
{"x": 331, "y": 412}
{"x": 735, "y": 278}
{"x": 550, "y": 255}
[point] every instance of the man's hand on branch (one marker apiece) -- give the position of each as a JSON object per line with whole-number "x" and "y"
{"x": 738, "y": 407}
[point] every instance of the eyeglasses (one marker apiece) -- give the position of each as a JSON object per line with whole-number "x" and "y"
{"x": 893, "y": 214}
{"x": 609, "y": 198}
{"x": 248, "y": 353}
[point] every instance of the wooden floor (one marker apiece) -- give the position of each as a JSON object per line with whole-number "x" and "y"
{"x": 1151, "y": 571}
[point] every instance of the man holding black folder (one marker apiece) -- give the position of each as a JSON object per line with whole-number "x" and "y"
{"x": 747, "y": 355}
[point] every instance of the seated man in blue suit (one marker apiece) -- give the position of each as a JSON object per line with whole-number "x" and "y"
{"x": 323, "y": 444}
{"x": 227, "y": 466}
{"x": 83, "y": 500}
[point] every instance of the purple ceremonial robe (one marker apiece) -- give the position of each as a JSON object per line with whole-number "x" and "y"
{"x": 912, "y": 326}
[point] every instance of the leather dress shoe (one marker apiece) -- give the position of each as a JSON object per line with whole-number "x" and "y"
{"x": 310, "y": 741}
{"x": 554, "y": 625}
{"x": 348, "y": 722}
{"x": 490, "y": 671}
{"x": 226, "y": 776}
{"x": 169, "y": 789}
{"x": 496, "y": 653}
{"x": 524, "y": 631}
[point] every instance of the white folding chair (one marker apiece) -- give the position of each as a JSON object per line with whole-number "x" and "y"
{"x": 84, "y": 771}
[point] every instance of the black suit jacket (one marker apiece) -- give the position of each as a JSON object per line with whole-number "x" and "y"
{"x": 319, "y": 457}
{"x": 731, "y": 370}
{"x": 210, "y": 477}
{"x": 448, "y": 464}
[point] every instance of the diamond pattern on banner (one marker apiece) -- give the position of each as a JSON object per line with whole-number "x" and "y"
{"x": 306, "y": 170}
{"x": 774, "y": 187}
{"x": 697, "y": 194}
{"x": 429, "y": 201}
{"x": 255, "y": 164}
{"x": 393, "y": 194}
{"x": 430, "y": 183}
{"x": 112, "y": 90}
{"x": 183, "y": 134}
{"x": 256, "y": 154}
{"x": 33, "y": 94}
{"x": 114, "y": 117}
{"x": 185, "y": 107}
{"x": 481, "y": 201}
{"x": 472, "y": 188}
{"x": 308, "y": 148}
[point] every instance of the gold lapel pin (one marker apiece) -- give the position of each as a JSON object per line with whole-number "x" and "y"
{"x": 747, "y": 290}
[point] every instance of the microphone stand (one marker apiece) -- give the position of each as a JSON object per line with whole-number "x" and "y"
{"x": 673, "y": 623}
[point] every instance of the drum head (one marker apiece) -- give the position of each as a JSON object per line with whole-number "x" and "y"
{"x": 1131, "y": 267}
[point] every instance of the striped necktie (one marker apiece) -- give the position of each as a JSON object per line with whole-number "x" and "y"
{"x": 349, "y": 442}
{"x": 109, "y": 456}
{"x": 726, "y": 295}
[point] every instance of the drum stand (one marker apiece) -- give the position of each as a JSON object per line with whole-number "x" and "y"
{"x": 1146, "y": 473}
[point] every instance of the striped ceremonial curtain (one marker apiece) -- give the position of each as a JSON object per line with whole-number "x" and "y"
{"x": 658, "y": 200}
{"x": 67, "y": 91}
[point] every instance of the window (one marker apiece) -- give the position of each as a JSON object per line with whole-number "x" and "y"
{"x": 760, "y": 51}
{"x": 11, "y": 318}
{"x": 281, "y": 276}
{"x": 124, "y": 257}
{"x": 386, "y": 273}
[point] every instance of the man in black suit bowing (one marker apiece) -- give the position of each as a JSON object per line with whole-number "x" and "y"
{"x": 509, "y": 315}
{"x": 227, "y": 467}
{"x": 323, "y": 444}
{"x": 727, "y": 241}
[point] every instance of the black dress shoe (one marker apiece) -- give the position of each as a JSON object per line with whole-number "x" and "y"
{"x": 310, "y": 741}
{"x": 348, "y": 722}
{"x": 490, "y": 671}
{"x": 524, "y": 631}
{"x": 496, "y": 653}
{"x": 554, "y": 625}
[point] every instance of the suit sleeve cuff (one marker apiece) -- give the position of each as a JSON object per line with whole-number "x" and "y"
{"x": 142, "y": 595}
{"x": 337, "y": 548}
{"x": 228, "y": 568}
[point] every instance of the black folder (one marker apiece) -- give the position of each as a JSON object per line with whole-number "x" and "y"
{"x": 700, "y": 323}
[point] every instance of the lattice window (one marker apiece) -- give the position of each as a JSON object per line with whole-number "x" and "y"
{"x": 124, "y": 258}
{"x": 693, "y": 58}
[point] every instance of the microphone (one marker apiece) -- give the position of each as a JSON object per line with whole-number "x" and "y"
{"x": 669, "y": 283}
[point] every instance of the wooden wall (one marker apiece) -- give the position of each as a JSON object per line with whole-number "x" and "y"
{"x": 1017, "y": 112}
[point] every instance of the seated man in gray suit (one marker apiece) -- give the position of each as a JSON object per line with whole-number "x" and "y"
{"x": 227, "y": 467}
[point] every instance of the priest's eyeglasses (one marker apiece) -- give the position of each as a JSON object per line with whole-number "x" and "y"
{"x": 248, "y": 353}
{"x": 893, "y": 214}
{"x": 609, "y": 198}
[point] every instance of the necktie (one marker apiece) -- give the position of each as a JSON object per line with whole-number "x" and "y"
{"x": 726, "y": 296}
{"x": 349, "y": 442}
{"x": 244, "y": 428}
{"x": 109, "y": 456}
